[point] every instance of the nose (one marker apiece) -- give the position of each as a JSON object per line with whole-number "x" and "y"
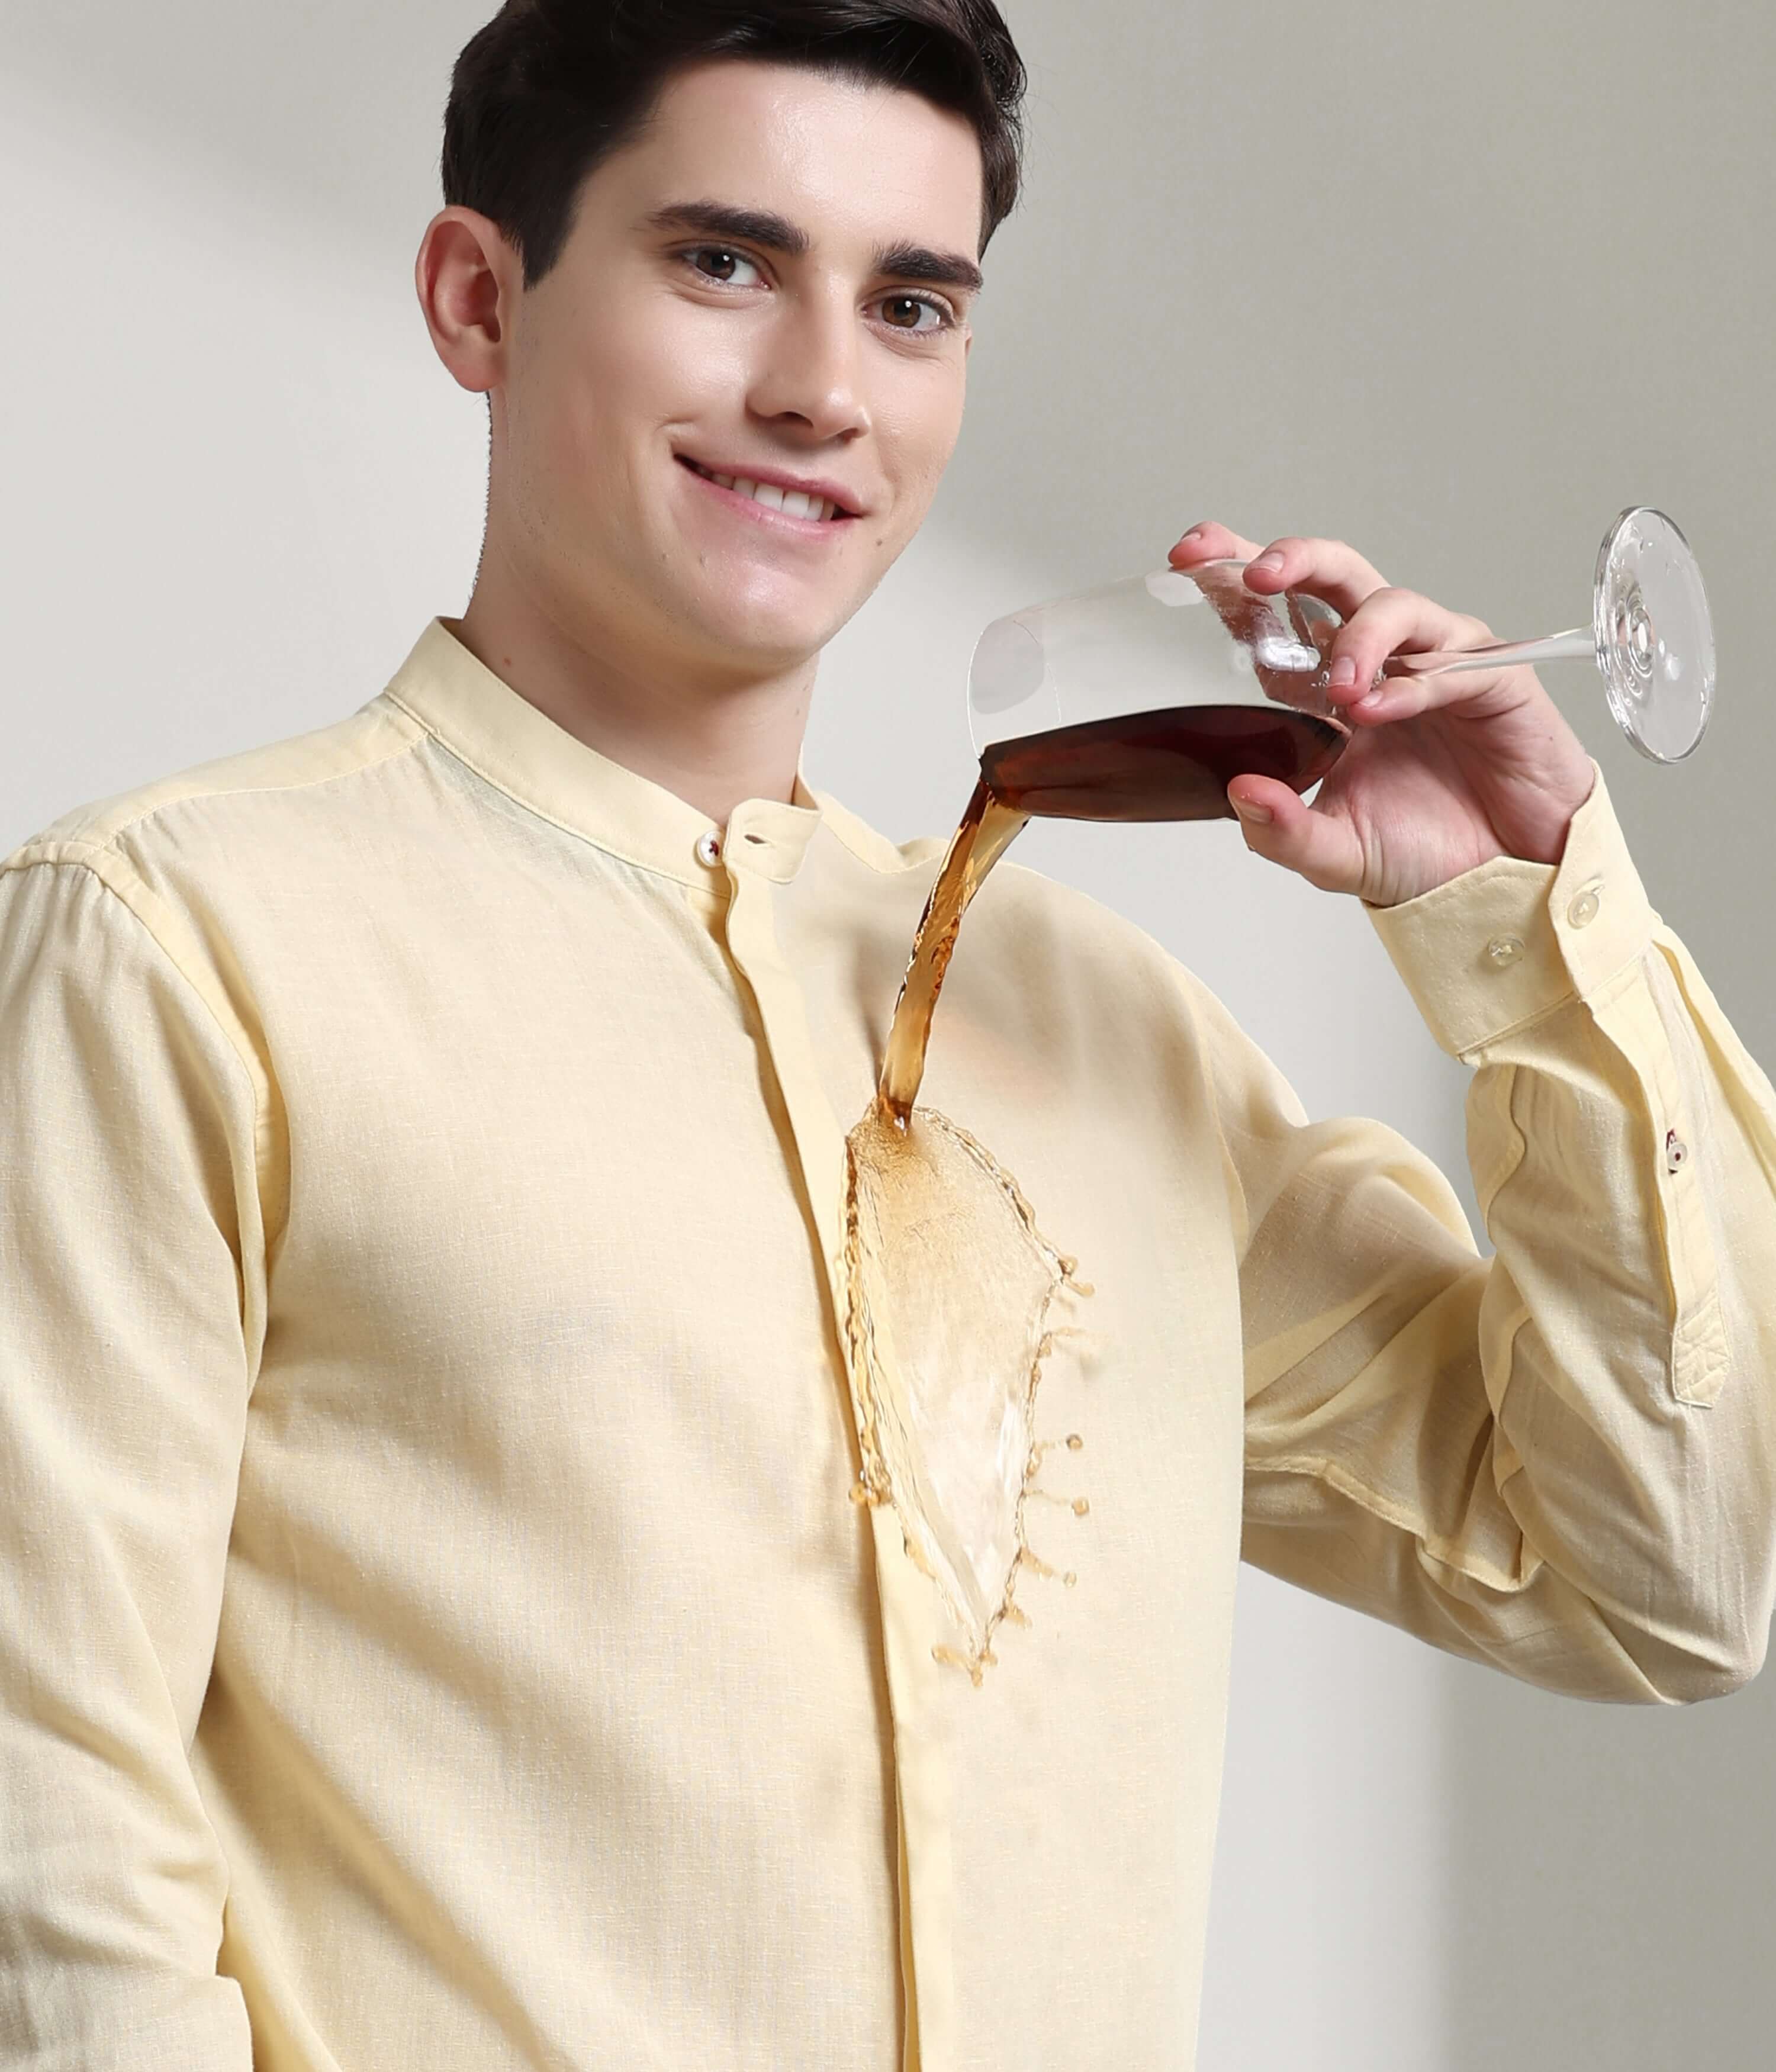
{"x": 809, "y": 372}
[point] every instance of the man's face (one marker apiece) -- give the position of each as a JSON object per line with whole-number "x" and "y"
{"x": 664, "y": 349}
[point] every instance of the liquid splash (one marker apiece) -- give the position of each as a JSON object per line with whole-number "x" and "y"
{"x": 956, "y": 1299}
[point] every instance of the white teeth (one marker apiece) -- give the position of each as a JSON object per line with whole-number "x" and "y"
{"x": 793, "y": 503}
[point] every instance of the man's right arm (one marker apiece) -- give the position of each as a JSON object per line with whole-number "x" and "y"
{"x": 132, "y": 1308}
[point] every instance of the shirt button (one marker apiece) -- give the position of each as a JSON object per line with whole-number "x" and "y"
{"x": 1503, "y": 951}
{"x": 1584, "y": 910}
{"x": 708, "y": 849}
{"x": 1676, "y": 1151}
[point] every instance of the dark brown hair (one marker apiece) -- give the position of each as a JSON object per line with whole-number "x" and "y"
{"x": 550, "y": 87}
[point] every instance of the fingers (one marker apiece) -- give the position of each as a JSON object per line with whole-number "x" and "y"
{"x": 1327, "y": 851}
{"x": 1397, "y": 698}
{"x": 1325, "y": 569}
{"x": 1387, "y": 623}
{"x": 1380, "y": 620}
{"x": 1211, "y": 542}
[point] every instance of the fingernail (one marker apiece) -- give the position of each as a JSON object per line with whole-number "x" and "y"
{"x": 1368, "y": 701}
{"x": 1195, "y": 533}
{"x": 1268, "y": 561}
{"x": 1344, "y": 672}
{"x": 1248, "y": 809}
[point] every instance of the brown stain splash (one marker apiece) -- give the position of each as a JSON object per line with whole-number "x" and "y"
{"x": 954, "y": 1302}
{"x": 955, "y": 1297}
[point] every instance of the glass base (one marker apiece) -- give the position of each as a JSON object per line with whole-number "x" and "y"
{"x": 1655, "y": 641}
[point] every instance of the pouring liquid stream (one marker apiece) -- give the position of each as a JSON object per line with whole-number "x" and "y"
{"x": 1174, "y": 764}
{"x": 955, "y": 1298}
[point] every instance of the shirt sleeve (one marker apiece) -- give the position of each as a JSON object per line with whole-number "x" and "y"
{"x": 1562, "y": 1461}
{"x": 129, "y": 1303}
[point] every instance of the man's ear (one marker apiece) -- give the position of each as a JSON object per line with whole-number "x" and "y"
{"x": 469, "y": 278}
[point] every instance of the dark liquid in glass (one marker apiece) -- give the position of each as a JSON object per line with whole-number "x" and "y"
{"x": 1175, "y": 764}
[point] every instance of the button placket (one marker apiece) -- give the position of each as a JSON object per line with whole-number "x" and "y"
{"x": 923, "y": 1759}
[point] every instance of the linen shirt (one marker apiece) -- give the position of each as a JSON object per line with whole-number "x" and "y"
{"x": 436, "y": 1628}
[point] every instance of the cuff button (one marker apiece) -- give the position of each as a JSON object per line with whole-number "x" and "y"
{"x": 1503, "y": 951}
{"x": 1584, "y": 909}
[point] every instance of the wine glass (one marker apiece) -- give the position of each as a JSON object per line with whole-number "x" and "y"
{"x": 1142, "y": 700}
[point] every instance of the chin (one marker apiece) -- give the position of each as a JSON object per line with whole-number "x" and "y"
{"x": 766, "y": 635}
{"x": 760, "y": 651}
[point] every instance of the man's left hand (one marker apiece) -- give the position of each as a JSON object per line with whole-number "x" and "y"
{"x": 1442, "y": 773}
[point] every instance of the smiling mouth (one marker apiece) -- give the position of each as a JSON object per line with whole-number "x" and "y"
{"x": 792, "y": 503}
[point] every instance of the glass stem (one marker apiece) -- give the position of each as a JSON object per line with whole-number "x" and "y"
{"x": 1497, "y": 655}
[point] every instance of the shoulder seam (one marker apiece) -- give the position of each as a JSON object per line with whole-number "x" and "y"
{"x": 404, "y": 747}
{"x": 98, "y": 864}
{"x": 269, "y": 1174}
{"x": 91, "y": 857}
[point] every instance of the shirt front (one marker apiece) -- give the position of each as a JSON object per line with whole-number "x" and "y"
{"x": 438, "y": 1622}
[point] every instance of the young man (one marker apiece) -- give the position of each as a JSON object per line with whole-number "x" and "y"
{"x": 436, "y": 1627}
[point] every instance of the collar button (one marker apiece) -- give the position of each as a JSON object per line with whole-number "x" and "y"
{"x": 708, "y": 850}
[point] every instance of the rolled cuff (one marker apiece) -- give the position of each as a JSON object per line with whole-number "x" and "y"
{"x": 1508, "y": 941}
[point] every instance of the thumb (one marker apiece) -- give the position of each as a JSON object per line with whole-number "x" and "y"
{"x": 1280, "y": 828}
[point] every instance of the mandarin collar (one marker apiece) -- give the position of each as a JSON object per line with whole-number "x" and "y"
{"x": 503, "y": 738}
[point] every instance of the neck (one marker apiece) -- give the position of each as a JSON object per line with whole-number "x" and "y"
{"x": 710, "y": 738}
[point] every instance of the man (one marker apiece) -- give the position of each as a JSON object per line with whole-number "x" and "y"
{"x": 436, "y": 1626}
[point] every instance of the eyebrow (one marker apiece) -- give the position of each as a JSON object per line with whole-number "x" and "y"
{"x": 777, "y": 233}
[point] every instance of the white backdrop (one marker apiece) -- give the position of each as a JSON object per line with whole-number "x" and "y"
{"x": 1426, "y": 285}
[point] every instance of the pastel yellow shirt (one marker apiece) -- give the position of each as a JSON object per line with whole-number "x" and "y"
{"x": 436, "y": 1633}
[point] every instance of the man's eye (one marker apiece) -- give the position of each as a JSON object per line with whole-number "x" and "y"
{"x": 724, "y": 263}
{"x": 903, "y": 312}
{"x": 921, "y": 316}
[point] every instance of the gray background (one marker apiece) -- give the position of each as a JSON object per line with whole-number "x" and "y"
{"x": 1457, "y": 283}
